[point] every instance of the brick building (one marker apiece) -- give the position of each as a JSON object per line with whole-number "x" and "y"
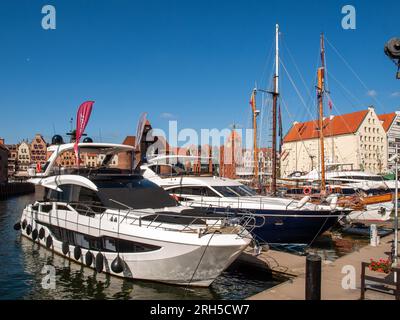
{"x": 3, "y": 162}
{"x": 12, "y": 159}
{"x": 38, "y": 150}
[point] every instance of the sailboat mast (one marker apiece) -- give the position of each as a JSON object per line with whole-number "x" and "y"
{"x": 274, "y": 107}
{"x": 321, "y": 90}
{"x": 255, "y": 148}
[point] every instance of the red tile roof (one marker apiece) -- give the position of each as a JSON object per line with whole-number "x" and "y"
{"x": 337, "y": 125}
{"x": 129, "y": 140}
{"x": 387, "y": 120}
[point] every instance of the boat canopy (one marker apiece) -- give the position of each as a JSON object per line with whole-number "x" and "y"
{"x": 54, "y": 182}
{"x": 108, "y": 149}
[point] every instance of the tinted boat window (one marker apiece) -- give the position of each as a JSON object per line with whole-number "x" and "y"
{"x": 134, "y": 192}
{"x": 242, "y": 191}
{"x": 195, "y": 191}
{"x": 226, "y": 192}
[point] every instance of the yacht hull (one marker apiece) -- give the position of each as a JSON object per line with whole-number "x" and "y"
{"x": 291, "y": 227}
{"x": 173, "y": 263}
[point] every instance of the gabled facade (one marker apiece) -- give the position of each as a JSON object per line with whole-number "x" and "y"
{"x": 356, "y": 138}
{"x": 391, "y": 125}
{"x": 38, "y": 150}
{"x": 24, "y": 157}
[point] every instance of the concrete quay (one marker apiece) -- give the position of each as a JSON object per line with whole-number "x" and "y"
{"x": 333, "y": 273}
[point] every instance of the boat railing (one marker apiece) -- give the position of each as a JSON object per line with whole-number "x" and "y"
{"x": 201, "y": 224}
{"x": 239, "y": 204}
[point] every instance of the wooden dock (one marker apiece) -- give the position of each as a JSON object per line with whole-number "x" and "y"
{"x": 332, "y": 274}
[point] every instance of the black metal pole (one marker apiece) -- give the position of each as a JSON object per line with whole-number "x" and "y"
{"x": 313, "y": 277}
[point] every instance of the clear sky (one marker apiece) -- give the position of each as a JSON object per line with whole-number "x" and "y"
{"x": 194, "y": 61}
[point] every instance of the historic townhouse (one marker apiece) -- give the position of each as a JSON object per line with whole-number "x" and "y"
{"x": 391, "y": 124}
{"x": 38, "y": 150}
{"x": 3, "y": 162}
{"x": 357, "y": 138}
{"x": 12, "y": 159}
{"x": 23, "y": 158}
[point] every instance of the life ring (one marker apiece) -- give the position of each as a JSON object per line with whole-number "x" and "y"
{"x": 307, "y": 191}
{"x": 175, "y": 197}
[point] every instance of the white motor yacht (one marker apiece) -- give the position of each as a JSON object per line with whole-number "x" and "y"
{"x": 122, "y": 224}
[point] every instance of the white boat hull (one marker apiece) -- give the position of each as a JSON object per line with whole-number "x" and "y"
{"x": 175, "y": 263}
{"x": 373, "y": 212}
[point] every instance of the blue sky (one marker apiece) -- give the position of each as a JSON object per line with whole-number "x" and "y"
{"x": 194, "y": 61}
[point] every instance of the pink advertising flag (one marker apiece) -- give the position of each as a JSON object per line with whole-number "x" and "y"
{"x": 82, "y": 119}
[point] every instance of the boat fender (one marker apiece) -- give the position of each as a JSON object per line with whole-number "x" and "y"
{"x": 77, "y": 252}
{"x": 49, "y": 242}
{"x": 42, "y": 233}
{"x": 24, "y": 224}
{"x": 333, "y": 203}
{"x": 35, "y": 234}
{"x": 117, "y": 265}
{"x": 88, "y": 259}
{"x": 99, "y": 262}
{"x": 65, "y": 248}
{"x": 17, "y": 226}
{"x": 28, "y": 229}
{"x": 302, "y": 202}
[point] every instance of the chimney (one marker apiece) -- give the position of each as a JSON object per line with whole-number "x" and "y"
{"x": 2, "y": 141}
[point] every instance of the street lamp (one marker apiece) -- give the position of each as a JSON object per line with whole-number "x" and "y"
{"x": 395, "y": 158}
{"x": 392, "y": 50}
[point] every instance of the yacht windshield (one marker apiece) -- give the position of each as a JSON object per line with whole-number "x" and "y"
{"x": 235, "y": 191}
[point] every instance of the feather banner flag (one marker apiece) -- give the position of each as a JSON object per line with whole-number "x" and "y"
{"x": 330, "y": 104}
{"x": 82, "y": 119}
{"x": 253, "y": 100}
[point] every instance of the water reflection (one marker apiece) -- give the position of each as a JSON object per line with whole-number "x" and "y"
{"x": 331, "y": 246}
